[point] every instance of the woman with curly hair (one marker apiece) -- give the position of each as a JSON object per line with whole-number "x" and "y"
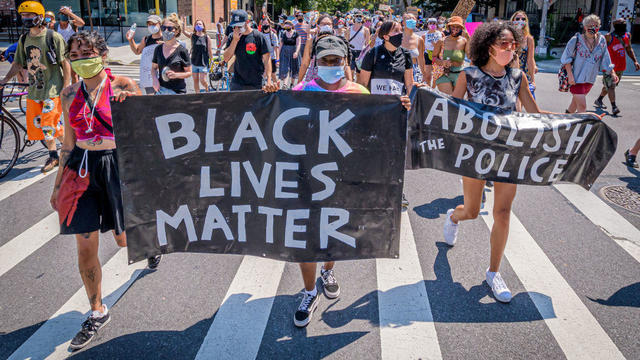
{"x": 491, "y": 82}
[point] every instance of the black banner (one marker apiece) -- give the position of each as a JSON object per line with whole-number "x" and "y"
{"x": 295, "y": 176}
{"x": 489, "y": 143}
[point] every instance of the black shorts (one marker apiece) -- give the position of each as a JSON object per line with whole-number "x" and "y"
{"x": 93, "y": 202}
{"x": 427, "y": 59}
{"x": 354, "y": 56}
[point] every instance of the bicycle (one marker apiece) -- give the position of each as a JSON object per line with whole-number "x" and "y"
{"x": 10, "y": 142}
{"x": 20, "y": 96}
{"x": 219, "y": 78}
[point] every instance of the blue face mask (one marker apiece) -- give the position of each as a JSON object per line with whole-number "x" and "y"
{"x": 411, "y": 24}
{"x": 330, "y": 74}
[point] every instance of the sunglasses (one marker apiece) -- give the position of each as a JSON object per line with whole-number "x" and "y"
{"x": 506, "y": 44}
{"x": 167, "y": 28}
{"x": 519, "y": 19}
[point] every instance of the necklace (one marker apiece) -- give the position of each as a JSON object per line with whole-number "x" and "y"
{"x": 493, "y": 76}
{"x": 95, "y": 103}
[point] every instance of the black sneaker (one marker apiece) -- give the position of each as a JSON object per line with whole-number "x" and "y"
{"x": 599, "y": 104}
{"x": 615, "y": 110}
{"x": 330, "y": 284}
{"x": 405, "y": 202}
{"x": 304, "y": 313}
{"x": 630, "y": 160}
{"x": 89, "y": 330}
{"x": 154, "y": 261}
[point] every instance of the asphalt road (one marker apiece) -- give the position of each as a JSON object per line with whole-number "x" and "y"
{"x": 572, "y": 263}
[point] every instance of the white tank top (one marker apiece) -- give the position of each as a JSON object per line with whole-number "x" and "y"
{"x": 358, "y": 40}
{"x": 66, "y": 33}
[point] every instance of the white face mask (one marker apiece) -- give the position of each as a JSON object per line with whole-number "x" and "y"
{"x": 325, "y": 28}
{"x": 153, "y": 28}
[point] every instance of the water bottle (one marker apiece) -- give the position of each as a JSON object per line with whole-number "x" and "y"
{"x": 132, "y": 29}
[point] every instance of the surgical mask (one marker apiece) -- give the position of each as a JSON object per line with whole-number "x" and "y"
{"x": 620, "y": 28}
{"x": 47, "y": 20}
{"x": 88, "y": 67}
{"x": 503, "y": 57}
{"x": 441, "y": 25}
{"x": 433, "y": 26}
{"x": 396, "y": 40}
{"x": 325, "y": 28}
{"x": 358, "y": 19}
{"x": 198, "y": 28}
{"x": 32, "y": 22}
{"x": 168, "y": 35}
{"x": 411, "y": 24}
{"x": 340, "y": 26}
{"x": 520, "y": 23}
{"x": 153, "y": 28}
{"x": 330, "y": 74}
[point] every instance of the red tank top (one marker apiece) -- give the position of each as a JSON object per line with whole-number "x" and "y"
{"x": 83, "y": 118}
{"x": 617, "y": 52}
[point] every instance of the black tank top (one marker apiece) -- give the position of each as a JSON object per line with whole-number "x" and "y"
{"x": 289, "y": 41}
{"x": 199, "y": 50}
{"x": 150, "y": 40}
{"x": 485, "y": 89}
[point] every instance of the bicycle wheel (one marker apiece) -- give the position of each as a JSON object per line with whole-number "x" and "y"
{"x": 9, "y": 145}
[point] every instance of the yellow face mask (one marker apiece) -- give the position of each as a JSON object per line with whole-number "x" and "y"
{"x": 88, "y": 67}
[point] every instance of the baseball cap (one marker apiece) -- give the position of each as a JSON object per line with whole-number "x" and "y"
{"x": 330, "y": 45}
{"x": 238, "y": 17}
{"x": 432, "y": 20}
{"x": 154, "y": 19}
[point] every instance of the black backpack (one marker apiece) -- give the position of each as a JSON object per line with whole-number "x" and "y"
{"x": 51, "y": 54}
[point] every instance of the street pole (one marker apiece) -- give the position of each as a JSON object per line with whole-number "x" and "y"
{"x": 542, "y": 43}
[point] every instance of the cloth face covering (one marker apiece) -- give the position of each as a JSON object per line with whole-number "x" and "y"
{"x": 88, "y": 67}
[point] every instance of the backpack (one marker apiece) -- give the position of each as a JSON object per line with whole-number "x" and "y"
{"x": 51, "y": 55}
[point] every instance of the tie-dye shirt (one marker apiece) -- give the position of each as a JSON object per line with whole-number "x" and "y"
{"x": 350, "y": 87}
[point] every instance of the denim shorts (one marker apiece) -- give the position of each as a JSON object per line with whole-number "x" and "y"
{"x": 199, "y": 69}
{"x": 165, "y": 91}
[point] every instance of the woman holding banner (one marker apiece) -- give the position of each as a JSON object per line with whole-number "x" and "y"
{"x": 86, "y": 194}
{"x": 491, "y": 82}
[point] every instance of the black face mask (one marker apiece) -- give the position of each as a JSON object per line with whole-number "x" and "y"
{"x": 620, "y": 28}
{"x": 265, "y": 28}
{"x": 300, "y": 20}
{"x": 32, "y": 22}
{"x": 396, "y": 40}
{"x": 456, "y": 34}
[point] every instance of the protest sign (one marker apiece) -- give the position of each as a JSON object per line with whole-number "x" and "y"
{"x": 490, "y": 143}
{"x": 296, "y": 176}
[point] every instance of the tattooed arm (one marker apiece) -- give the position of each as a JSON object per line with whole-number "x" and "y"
{"x": 69, "y": 141}
{"x": 124, "y": 86}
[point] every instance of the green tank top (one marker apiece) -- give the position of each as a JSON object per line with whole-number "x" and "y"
{"x": 453, "y": 55}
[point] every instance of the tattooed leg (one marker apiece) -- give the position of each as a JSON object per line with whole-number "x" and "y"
{"x": 90, "y": 269}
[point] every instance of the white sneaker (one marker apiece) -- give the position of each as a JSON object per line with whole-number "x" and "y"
{"x": 498, "y": 286}
{"x": 450, "y": 230}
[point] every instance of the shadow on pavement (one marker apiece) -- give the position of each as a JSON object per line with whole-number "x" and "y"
{"x": 451, "y": 302}
{"x": 438, "y": 207}
{"x": 626, "y": 296}
{"x": 10, "y": 342}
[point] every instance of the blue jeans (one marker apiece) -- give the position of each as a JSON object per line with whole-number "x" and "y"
{"x": 165, "y": 91}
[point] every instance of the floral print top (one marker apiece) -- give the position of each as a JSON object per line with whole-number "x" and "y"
{"x": 500, "y": 92}
{"x": 587, "y": 63}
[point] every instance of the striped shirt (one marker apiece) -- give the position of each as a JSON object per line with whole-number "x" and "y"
{"x": 301, "y": 29}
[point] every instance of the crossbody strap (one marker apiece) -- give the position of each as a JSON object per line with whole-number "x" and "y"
{"x": 87, "y": 100}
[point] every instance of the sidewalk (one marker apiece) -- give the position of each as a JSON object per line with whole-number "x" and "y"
{"x": 552, "y": 66}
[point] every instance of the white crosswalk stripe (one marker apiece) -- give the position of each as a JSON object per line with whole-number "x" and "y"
{"x": 29, "y": 241}
{"x": 406, "y": 323}
{"x": 567, "y": 317}
{"x": 13, "y": 185}
{"x": 52, "y": 339}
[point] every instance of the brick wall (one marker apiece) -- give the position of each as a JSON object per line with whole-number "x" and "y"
{"x": 7, "y": 4}
{"x": 201, "y": 9}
